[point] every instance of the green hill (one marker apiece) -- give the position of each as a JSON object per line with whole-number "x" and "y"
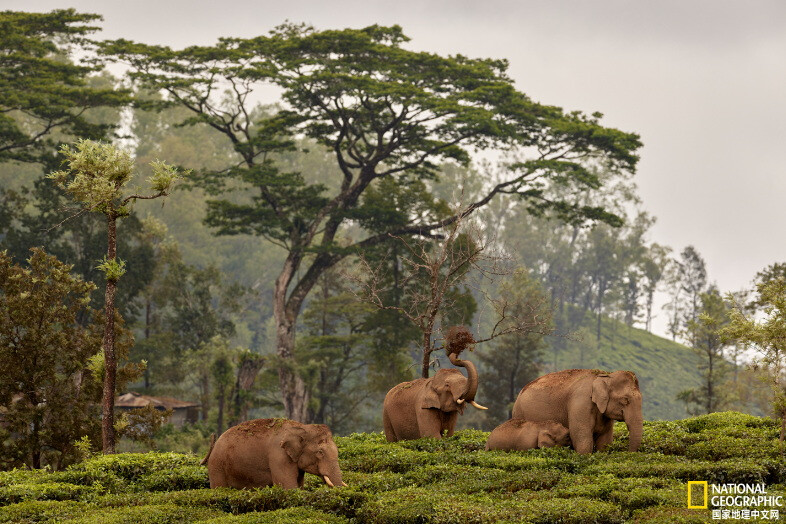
{"x": 664, "y": 367}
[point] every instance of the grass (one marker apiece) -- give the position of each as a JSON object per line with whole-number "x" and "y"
{"x": 423, "y": 481}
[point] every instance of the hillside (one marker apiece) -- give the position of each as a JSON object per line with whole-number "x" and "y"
{"x": 426, "y": 481}
{"x": 664, "y": 367}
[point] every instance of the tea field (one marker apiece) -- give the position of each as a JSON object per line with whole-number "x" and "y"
{"x": 425, "y": 481}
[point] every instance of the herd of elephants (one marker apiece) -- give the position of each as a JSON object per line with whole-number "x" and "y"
{"x": 575, "y": 407}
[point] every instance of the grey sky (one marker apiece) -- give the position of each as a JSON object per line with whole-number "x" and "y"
{"x": 703, "y": 82}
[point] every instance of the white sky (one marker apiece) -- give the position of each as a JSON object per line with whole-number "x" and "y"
{"x": 702, "y": 82}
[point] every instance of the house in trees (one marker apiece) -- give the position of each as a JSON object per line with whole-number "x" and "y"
{"x": 182, "y": 412}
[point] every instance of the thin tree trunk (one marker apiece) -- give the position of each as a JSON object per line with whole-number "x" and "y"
{"x": 148, "y": 306}
{"x": 425, "y": 364}
{"x": 108, "y": 345}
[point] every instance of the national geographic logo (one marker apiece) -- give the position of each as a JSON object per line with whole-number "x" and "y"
{"x": 734, "y": 501}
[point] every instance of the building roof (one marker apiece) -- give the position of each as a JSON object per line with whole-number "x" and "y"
{"x": 137, "y": 400}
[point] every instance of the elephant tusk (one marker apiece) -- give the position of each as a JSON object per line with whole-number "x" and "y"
{"x": 327, "y": 481}
{"x": 460, "y": 401}
{"x": 344, "y": 484}
{"x": 476, "y": 405}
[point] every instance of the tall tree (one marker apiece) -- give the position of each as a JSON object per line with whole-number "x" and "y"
{"x": 96, "y": 177}
{"x": 767, "y": 334}
{"x": 383, "y": 111}
{"x": 43, "y": 95}
{"x": 709, "y": 345}
{"x": 692, "y": 273}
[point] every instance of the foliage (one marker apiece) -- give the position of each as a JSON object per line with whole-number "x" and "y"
{"x": 514, "y": 359}
{"x": 96, "y": 177}
{"x": 705, "y": 332}
{"x": 766, "y": 335}
{"x": 43, "y": 95}
{"x": 47, "y": 393}
{"x": 141, "y": 424}
{"x": 381, "y": 111}
{"x": 424, "y": 481}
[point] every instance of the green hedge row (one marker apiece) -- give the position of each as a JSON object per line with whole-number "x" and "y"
{"x": 424, "y": 481}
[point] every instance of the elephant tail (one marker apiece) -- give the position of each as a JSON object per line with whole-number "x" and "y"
{"x": 212, "y": 443}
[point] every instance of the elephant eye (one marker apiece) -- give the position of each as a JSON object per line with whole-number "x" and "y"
{"x": 625, "y": 401}
{"x": 320, "y": 452}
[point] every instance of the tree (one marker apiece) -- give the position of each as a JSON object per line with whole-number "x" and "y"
{"x": 384, "y": 112}
{"x": 43, "y": 95}
{"x": 335, "y": 353}
{"x": 654, "y": 270}
{"x": 767, "y": 335}
{"x": 514, "y": 359}
{"x": 692, "y": 273}
{"x": 50, "y": 380}
{"x": 96, "y": 177}
{"x": 709, "y": 345}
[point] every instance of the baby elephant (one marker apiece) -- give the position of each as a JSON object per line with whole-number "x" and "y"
{"x": 520, "y": 434}
{"x": 269, "y": 451}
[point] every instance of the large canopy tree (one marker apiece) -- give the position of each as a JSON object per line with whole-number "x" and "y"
{"x": 43, "y": 93}
{"x": 386, "y": 113}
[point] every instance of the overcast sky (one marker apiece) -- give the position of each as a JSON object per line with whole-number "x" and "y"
{"x": 702, "y": 82}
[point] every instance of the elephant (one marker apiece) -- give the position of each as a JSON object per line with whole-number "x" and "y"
{"x": 520, "y": 434}
{"x": 429, "y": 407}
{"x": 266, "y": 451}
{"x": 587, "y": 402}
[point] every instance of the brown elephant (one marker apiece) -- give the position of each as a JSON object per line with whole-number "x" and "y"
{"x": 429, "y": 407}
{"x": 269, "y": 451}
{"x": 587, "y": 402}
{"x": 519, "y": 434}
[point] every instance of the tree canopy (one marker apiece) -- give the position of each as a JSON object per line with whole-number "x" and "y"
{"x": 43, "y": 95}
{"x": 385, "y": 112}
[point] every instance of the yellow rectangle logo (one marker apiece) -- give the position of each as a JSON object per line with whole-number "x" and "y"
{"x": 692, "y": 483}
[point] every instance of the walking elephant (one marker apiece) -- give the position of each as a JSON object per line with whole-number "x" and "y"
{"x": 267, "y": 451}
{"x": 521, "y": 435}
{"x": 587, "y": 402}
{"x": 429, "y": 407}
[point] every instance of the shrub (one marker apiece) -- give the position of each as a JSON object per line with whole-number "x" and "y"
{"x": 152, "y": 514}
{"x": 664, "y": 515}
{"x": 132, "y": 466}
{"x": 281, "y": 516}
{"x": 43, "y": 491}
{"x": 183, "y": 477}
{"x": 43, "y": 511}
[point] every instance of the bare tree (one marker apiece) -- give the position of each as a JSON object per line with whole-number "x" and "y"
{"x": 439, "y": 264}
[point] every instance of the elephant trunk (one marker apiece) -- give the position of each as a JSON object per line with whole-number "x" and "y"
{"x": 635, "y": 423}
{"x": 332, "y": 477}
{"x": 472, "y": 377}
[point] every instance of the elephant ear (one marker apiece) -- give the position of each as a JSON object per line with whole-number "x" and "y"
{"x": 293, "y": 443}
{"x": 600, "y": 392}
{"x": 546, "y": 439}
{"x": 430, "y": 398}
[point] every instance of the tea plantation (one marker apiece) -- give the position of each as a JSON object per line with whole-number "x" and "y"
{"x": 424, "y": 481}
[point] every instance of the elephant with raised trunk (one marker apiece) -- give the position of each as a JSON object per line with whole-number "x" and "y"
{"x": 429, "y": 407}
{"x": 269, "y": 451}
{"x": 587, "y": 402}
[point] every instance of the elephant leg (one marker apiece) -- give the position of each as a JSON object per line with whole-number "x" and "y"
{"x": 581, "y": 434}
{"x": 390, "y": 434}
{"x": 283, "y": 471}
{"x": 430, "y": 423}
{"x": 604, "y": 438}
{"x": 450, "y": 423}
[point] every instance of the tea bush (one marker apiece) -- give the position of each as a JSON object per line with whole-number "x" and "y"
{"x": 427, "y": 481}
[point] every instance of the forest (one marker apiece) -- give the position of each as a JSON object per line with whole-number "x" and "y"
{"x": 170, "y": 228}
